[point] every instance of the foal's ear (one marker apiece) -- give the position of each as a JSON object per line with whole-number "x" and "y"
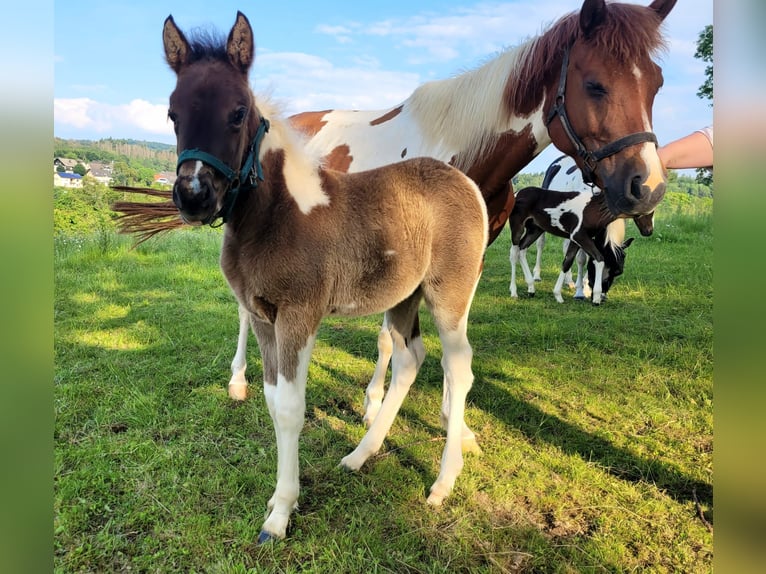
{"x": 592, "y": 15}
{"x": 662, "y": 7}
{"x": 240, "y": 46}
{"x": 176, "y": 46}
{"x": 627, "y": 243}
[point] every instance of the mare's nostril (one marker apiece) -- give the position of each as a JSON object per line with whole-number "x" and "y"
{"x": 635, "y": 187}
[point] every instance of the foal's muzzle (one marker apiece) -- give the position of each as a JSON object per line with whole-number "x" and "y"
{"x": 195, "y": 197}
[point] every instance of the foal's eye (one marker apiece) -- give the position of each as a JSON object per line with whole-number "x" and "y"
{"x": 238, "y": 116}
{"x": 596, "y": 90}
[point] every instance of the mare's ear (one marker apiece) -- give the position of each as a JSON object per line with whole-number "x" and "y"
{"x": 662, "y": 7}
{"x": 240, "y": 46}
{"x": 176, "y": 46}
{"x": 627, "y": 243}
{"x": 592, "y": 15}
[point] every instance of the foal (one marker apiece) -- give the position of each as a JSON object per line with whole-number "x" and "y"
{"x": 563, "y": 174}
{"x": 577, "y": 216}
{"x": 302, "y": 242}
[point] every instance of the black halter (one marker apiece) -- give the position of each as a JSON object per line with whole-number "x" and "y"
{"x": 590, "y": 158}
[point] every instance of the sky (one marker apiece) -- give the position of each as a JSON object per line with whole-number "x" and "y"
{"x": 111, "y": 80}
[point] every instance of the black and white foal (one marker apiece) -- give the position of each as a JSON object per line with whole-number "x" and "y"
{"x": 564, "y": 215}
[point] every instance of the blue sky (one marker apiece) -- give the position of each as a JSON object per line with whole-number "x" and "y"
{"x": 110, "y": 78}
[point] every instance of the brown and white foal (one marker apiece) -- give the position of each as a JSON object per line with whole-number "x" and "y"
{"x": 302, "y": 242}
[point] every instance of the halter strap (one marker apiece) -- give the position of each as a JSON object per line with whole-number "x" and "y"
{"x": 250, "y": 173}
{"x": 590, "y": 158}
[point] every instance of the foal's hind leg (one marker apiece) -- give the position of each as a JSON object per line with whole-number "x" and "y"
{"x": 407, "y": 356}
{"x": 458, "y": 378}
{"x": 238, "y": 383}
{"x": 373, "y": 396}
{"x": 539, "y": 258}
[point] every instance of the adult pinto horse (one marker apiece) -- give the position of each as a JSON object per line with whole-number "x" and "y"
{"x": 586, "y": 84}
{"x": 298, "y": 246}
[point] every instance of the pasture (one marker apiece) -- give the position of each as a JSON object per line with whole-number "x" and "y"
{"x": 596, "y": 423}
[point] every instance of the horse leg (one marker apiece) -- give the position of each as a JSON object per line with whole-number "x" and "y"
{"x": 582, "y": 275}
{"x": 599, "y": 266}
{"x": 408, "y": 353}
{"x": 588, "y": 245}
{"x": 458, "y": 379}
{"x": 533, "y": 232}
{"x": 238, "y": 383}
{"x": 514, "y": 257}
{"x": 539, "y": 258}
{"x": 566, "y": 265}
{"x": 568, "y": 276}
{"x": 467, "y": 436}
{"x": 287, "y": 406}
{"x": 373, "y": 396}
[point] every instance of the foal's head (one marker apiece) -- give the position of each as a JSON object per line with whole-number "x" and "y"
{"x": 606, "y": 96}
{"x": 614, "y": 261}
{"x": 214, "y": 116}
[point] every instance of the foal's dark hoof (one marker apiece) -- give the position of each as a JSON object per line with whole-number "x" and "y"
{"x": 530, "y": 294}
{"x": 265, "y": 537}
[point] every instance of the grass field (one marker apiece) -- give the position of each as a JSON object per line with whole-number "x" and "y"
{"x": 596, "y": 423}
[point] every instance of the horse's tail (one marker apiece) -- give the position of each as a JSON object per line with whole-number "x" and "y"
{"x": 146, "y": 218}
{"x": 615, "y": 235}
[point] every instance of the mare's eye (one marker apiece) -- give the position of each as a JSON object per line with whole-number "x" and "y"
{"x": 172, "y": 116}
{"x": 238, "y": 116}
{"x": 595, "y": 90}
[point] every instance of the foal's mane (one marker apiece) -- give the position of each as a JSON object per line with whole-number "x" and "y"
{"x": 206, "y": 44}
{"x": 468, "y": 111}
{"x": 210, "y": 45}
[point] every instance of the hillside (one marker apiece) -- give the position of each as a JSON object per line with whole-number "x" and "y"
{"x": 134, "y": 162}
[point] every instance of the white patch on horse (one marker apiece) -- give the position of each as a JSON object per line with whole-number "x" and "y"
{"x": 637, "y": 72}
{"x": 389, "y": 253}
{"x": 575, "y": 205}
{"x": 300, "y": 169}
{"x": 195, "y": 183}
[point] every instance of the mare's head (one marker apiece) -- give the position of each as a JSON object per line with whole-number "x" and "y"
{"x": 599, "y": 104}
{"x": 214, "y": 117}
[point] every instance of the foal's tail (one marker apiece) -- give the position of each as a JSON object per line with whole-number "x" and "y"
{"x": 146, "y": 218}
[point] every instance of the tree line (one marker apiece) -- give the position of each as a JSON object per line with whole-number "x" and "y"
{"x": 676, "y": 183}
{"x": 133, "y": 162}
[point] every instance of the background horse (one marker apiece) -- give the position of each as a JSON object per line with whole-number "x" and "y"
{"x": 570, "y": 214}
{"x": 298, "y": 246}
{"x": 564, "y": 175}
{"x": 490, "y": 122}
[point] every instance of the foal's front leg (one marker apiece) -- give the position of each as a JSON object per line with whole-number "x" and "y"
{"x": 287, "y": 406}
{"x": 238, "y": 383}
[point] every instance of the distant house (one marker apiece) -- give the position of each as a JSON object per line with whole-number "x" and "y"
{"x": 101, "y": 172}
{"x": 165, "y": 178}
{"x": 67, "y": 164}
{"x": 65, "y": 179}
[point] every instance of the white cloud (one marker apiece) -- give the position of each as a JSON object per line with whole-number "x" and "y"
{"x": 109, "y": 120}
{"x": 307, "y": 82}
{"x": 477, "y": 30}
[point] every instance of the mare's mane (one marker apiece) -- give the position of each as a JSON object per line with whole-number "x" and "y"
{"x": 468, "y": 112}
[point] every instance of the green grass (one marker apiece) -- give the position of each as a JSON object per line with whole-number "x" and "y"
{"x": 595, "y": 423}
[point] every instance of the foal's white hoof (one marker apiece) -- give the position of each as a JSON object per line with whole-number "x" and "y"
{"x": 352, "y": 462}
{"x": 437, "y": 495}
{"x": 238, "y": 391}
